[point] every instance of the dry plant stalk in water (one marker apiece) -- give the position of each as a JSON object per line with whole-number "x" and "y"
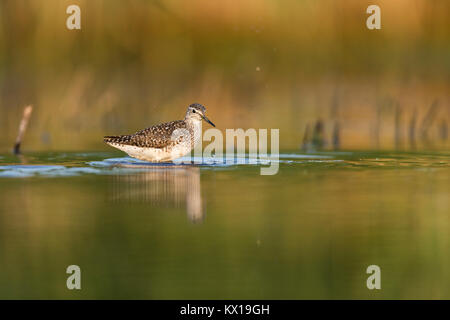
{"x": 22, "y": 128}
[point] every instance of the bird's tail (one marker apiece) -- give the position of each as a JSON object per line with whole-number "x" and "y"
{"x": 116, "y": 139}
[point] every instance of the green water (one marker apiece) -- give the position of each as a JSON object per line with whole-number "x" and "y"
{"x": 222, "y": 232}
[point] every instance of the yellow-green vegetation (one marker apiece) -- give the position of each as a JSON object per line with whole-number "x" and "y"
{"x": 264, "y": 64}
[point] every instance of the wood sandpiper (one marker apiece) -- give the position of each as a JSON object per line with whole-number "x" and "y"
{"x": 166, "y": 141}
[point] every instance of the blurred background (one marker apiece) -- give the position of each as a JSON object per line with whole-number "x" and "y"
{"x": 310, "y": 68}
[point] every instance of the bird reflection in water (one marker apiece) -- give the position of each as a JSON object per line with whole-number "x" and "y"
{"x": 177, "y": 186}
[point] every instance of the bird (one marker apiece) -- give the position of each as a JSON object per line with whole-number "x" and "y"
{"x": 166, "y": 141}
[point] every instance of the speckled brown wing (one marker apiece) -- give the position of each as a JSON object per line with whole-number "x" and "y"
{"x": 158, "y": 136}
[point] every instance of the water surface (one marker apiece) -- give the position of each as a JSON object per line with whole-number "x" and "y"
{"x": 221, "y": 230}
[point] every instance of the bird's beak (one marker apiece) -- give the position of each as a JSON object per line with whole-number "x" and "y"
{"x": 207, "y": 120}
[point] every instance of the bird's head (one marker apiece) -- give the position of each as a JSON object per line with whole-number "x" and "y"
{"x": 197, "y": 112}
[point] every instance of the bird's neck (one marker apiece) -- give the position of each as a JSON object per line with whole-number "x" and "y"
{"x": 195, "y": 126}
{"x": 193, "y": 123}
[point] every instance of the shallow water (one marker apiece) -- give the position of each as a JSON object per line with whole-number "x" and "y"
{"x": 215, "y": 230}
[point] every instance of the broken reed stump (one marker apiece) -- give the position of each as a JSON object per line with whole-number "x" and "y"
{"x": 336, "y": 138}
{"x": 22, "y": 128}
{"x": 412, "y": 130}
{"x": 428, "y": 120}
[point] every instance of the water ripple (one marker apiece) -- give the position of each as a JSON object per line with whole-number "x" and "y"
{"x": 76, "y": 164}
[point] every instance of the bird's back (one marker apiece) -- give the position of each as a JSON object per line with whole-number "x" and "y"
{"x": 158, "y": 136}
